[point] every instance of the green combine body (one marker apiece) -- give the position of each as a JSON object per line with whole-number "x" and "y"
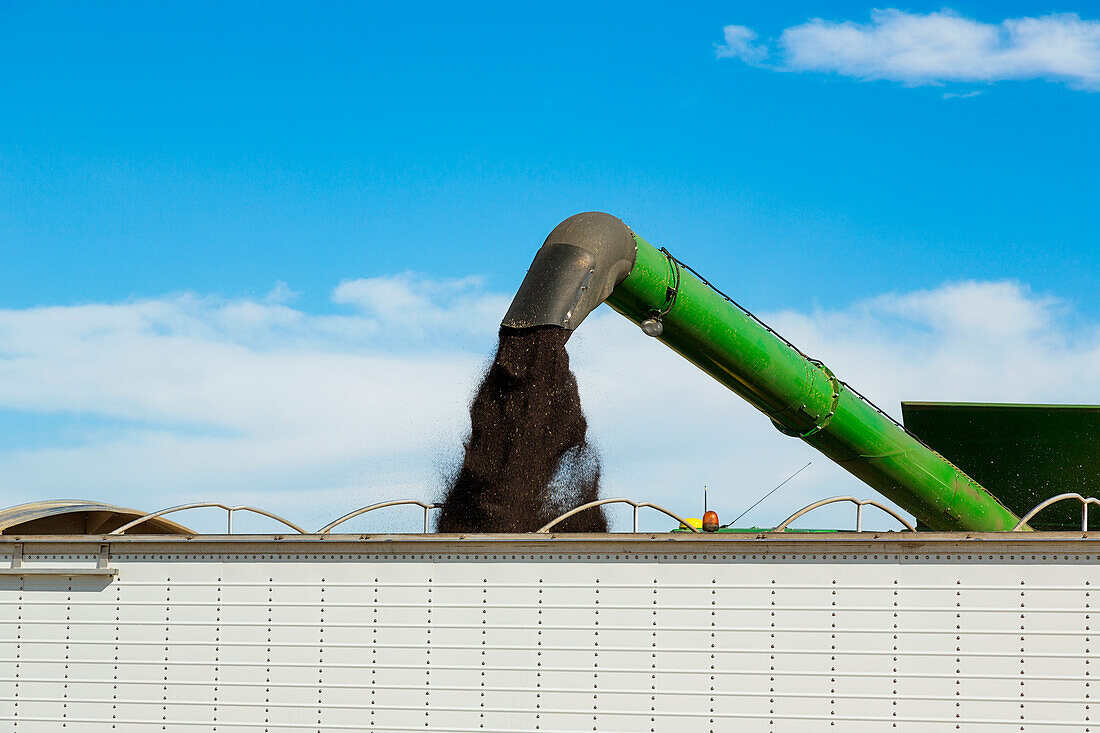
{"x": 1021, "y": 453}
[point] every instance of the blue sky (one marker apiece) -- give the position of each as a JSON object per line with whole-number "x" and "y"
{"x": 169, "y": 165}
{"x": 223, "y": 147}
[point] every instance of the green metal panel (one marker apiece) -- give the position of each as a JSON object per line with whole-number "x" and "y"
{"x": 1021, "y": 453}
{"x": 802, "y": 397}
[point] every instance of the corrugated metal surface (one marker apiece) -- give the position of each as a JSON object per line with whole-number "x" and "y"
{"x": 853, "y": 634}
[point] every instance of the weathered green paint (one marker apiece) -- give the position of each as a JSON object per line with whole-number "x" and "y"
{"x": 798, "y": 395}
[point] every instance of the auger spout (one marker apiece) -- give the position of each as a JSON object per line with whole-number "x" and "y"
{"x": 576, "y": 269}
{"x": 591, "y": 258}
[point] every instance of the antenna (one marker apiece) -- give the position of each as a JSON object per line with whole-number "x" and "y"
{"x": 765, "y": 496}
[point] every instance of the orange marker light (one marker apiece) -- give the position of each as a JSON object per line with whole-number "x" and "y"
{"x": 710, "y": 521}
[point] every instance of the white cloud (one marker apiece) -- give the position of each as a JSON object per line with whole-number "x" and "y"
{"x": 424, "y": 308}
{"x": 281, "y": 294}
{"x": 739, "y": 44}
{"x": 941, "y": 47}
{"x": 217, "y": 397}
{"x": 184, "y": 398}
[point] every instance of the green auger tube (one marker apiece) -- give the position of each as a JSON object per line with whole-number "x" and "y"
{"x": 594, "y": 257}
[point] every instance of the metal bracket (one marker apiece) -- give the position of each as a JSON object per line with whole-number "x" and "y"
{"x": 636, "y": 504}
{"x": 206, "y": 504}
{"x": 19, "y": 569}
{"x": 860, "y": 503}
{"x": 382, "y": 505}
{"x": 1085, "y": 501}
{"x": 671, "y": 291}
{"x": 822, "y": 422}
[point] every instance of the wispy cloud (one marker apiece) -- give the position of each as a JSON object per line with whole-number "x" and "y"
{"x": 186, "y": 397}
{"x": 740, "y": 43}
{"x": 933, "y": 48}
{"x": 281, "y": 293}
{"x": 210, "y": 398}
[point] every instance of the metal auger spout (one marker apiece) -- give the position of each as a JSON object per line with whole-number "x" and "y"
{"x": 593, "y": 257}
{"x": 577, "y": 268}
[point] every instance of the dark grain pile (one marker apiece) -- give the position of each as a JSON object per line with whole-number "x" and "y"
{"x": 527, "y": 459}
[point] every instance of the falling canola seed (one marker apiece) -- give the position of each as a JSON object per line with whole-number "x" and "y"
{"x": 527, "y": 459}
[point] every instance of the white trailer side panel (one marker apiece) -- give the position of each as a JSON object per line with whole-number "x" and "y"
{"x": 258, "y": 635}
